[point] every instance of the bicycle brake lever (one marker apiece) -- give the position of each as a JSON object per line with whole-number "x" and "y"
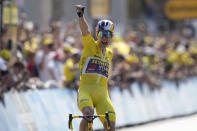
{"x": 108, "y": 122}
{"x": 70, "y": 122}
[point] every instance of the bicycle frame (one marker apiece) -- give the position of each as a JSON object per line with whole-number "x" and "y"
{"x": 90, "y": 122}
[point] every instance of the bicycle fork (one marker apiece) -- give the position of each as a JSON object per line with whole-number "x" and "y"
{"x": 90, "y": 124}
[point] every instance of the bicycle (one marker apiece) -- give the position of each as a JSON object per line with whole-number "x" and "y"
{"x": 90, "y": 122}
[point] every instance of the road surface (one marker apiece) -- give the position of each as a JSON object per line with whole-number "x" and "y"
{"x": 179, "y": 124}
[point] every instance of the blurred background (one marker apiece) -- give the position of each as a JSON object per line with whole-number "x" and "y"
{"x": 154, "y": 72}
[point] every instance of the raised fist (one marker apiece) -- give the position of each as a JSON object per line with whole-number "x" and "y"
{"x": 80, "y": 10}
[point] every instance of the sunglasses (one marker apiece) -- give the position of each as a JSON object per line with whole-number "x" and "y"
{"x": 107, "y": 34}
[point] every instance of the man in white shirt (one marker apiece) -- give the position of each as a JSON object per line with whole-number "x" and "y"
{"x": 45, "y": 61}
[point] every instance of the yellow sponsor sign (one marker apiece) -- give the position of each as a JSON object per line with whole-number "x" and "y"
{"x": 10, "y": 13}
{"x": 14, "y": 13}
{"x": 181, "y": 9}
{"x": 99, "y": 8}
{"x": 6, "y": 15}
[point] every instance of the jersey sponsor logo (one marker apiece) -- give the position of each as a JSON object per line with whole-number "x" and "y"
{"x": 96, "y": 66}
{"x": 97, "y": 56}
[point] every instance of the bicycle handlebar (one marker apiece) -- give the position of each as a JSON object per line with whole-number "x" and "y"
{"x": 71, "y": 117}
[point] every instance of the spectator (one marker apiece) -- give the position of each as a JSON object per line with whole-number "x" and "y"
{"x": 20, "y": 76}
{"x": 3, "y": 73}
{"x": 71, "y": 71}
{"x": 45, "y": 60}
{"x": 68, "y": 50}
{"x": 31, "y": 66}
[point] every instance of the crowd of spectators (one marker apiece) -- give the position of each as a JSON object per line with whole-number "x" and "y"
{"x": 151, "y": 59}
{"x": 49, "y": 59}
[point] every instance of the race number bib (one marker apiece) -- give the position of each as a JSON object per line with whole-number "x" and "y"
{"x": 96, "y": 66}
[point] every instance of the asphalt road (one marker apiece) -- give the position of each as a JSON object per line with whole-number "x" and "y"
{"x": 178, "y": 124}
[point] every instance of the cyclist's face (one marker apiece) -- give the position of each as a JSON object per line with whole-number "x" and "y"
{"x": 104, "y": 38}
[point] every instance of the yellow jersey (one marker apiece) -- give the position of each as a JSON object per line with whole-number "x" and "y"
{"x": 70, "y": 75}
{"x": 94, "y": 65}
{"x": 94, "y": 68}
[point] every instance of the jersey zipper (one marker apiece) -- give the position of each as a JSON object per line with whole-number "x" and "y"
{"x": 100, "y": 75}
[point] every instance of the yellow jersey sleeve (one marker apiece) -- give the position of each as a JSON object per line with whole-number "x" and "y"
{"x": 88, "y": 41}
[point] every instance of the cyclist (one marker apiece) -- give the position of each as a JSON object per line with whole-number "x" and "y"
{"x": 94, "y": 67}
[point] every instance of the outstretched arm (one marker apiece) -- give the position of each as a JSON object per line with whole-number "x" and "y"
{"x": 82, "y": 21}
